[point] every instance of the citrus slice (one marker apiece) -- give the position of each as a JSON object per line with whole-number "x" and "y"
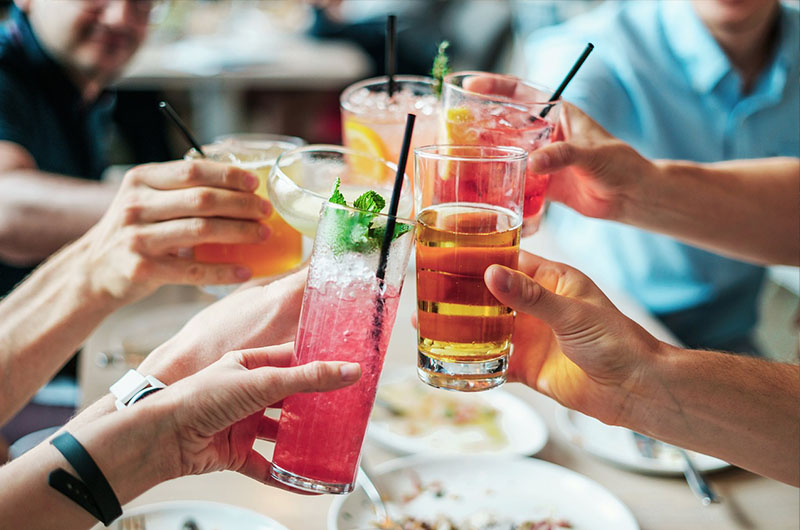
{"x": 458, "y": 127}
{"x": 361, "y": 138}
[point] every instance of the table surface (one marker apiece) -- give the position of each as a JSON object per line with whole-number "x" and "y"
{"x": 750, "y": 501}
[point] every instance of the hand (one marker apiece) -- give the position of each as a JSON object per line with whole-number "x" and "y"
{"x": 592, "y": 172}
{"x": 162, "y": 208}
{"x": 250, "y": 318}
{"x": 570, "y": 342}
{"x": 217, "y": 414}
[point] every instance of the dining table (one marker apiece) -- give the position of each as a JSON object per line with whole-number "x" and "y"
{"x": 749, "y": 501}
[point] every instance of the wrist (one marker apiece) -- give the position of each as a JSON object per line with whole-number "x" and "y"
{"x": 637, "y": 199}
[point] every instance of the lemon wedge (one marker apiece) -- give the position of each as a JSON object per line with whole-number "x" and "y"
{"x": 361, "y": 138}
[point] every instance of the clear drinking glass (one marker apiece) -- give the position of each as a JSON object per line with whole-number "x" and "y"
{"x": 480, "y": 108}
{"x": 374, "y": 123}
{"x": 469, "y": 214}
{"x": 302, "y": 180}
{"x": 347, "y": 315}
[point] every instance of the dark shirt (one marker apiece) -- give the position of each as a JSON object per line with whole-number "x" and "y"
{"x": 42, "y": 110}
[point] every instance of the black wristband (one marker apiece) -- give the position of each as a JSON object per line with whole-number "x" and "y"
{"x": 101, "y": 500}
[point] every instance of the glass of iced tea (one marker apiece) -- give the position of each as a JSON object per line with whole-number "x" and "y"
{"x": 469, "y": 208}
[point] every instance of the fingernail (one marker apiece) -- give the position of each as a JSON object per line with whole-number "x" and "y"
{"x": 251, "y": 181}
{"x": 263, "y": 232}
{"x": 243, "y": 273}
{"x": 350, "y": 372}
{"x": 503, "y": 279}
{"x": 266, "y": 207}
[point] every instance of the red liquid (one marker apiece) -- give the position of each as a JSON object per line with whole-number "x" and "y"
{"x": 320, "y": 434}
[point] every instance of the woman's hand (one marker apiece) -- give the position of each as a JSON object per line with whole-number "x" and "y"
{"x": 570, "y": 342}
{"x": 161, "y": 209}
{"x": 217, "y": 414}
{"x": 250, "y": 318}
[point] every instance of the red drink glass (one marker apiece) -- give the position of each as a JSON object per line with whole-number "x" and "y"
{"x": 480, "y": 108}
{"x": 347, "y": 315}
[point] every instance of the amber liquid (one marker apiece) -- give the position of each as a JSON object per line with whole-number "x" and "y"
{"x": 282, "y": 250}
{"x": 459, "y": 320}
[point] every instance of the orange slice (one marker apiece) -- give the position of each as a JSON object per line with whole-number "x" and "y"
{"x": 359, "y": 137}
{"x": 458, "y": 127}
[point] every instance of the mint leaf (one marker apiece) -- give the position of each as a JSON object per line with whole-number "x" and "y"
{"x": 370, "y": 201}
{"x": 441, "y": 67}
{"x": 336, "y": 195}
{"x": 377, "y": 233}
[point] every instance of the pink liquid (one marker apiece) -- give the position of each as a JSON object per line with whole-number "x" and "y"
{"x": 320, "y": 434}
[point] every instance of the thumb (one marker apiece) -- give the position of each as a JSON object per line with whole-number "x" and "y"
{"x": 275, "y": 384}
{"x": 521, "y": 293}
{"x": 557, "y": 156}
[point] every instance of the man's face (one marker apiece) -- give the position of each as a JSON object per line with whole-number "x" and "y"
{"x": 734, "y": 15}
{"x": 96, "y": 38}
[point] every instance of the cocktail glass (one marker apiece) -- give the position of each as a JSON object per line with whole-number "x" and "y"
{"x": 283, "y": 250}
{"x": 374, "y": 123}
{"x": 480, "y": 108}
{"x": 302, "y": 180}
{"x": 347, "y": 315}
{"x": 469, "y": 213}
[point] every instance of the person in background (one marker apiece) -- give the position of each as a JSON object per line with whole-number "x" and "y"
{"x": 707, "y": 81}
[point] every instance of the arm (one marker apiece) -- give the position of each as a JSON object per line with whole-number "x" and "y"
{"x": 745, "y": 208}
{"x": 573, "y": 345}
{"x": 126, "y": 256}
{"x": 207, "y": 422}
{"x": 40, "y": 212}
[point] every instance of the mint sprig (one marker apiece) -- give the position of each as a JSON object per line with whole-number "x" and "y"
{"x": 354, "y": 231}
{"x": 441, "y": 67}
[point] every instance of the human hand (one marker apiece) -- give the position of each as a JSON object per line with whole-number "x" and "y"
{"x": 249, "y": 318}
{"x": 592, "y": 172}
{"x": 216, "y": 415}
{"x": 161, "y": 208}
{"x": 571, "y": 343}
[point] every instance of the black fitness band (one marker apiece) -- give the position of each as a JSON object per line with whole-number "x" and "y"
{"x": 92, "y": 492}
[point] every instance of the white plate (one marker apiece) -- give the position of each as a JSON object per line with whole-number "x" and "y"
{"x": 516, "y": 429}
{"x": 617, "y": 446}
{"x": 207, "y": 516}
{"x": 511, "y": 488}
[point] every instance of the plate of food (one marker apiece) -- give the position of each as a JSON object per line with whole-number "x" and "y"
{"x": 623, "y": 448}
{"x": 193, "y": 515}
{"x": 482, "y": 493}
{"x": 411, "y": 417}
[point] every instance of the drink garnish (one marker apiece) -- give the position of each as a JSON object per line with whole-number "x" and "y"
{"x": 355, "y": 231}
{"x": 441, "y": 67}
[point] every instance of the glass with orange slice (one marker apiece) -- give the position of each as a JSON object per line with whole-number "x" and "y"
{"x": 374, "y": 122}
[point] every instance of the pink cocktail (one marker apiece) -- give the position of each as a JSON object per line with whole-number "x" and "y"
{"x": 347, "y": 315}
{"x": 500, "y": 110}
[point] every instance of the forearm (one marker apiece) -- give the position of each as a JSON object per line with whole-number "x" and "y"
{"x": 740, "y": 409}
{"x": 43, "y": 322}
{"x": 129, "y": 446}
{"x": 747, "y": 209}
{"x": 40, "y": 212}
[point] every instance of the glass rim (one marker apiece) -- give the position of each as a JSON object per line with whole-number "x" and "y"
{"x": 447, "y": 81}
{"x": 344, "y": 99}
{"x": 489, "y": 153}
{"x": 257, "y": 138}
{"x": 329, "y": 148}
{"x": 404, "y": 220}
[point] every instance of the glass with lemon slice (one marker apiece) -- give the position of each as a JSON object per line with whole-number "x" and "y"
{"x": 374, "y": 123}
{"x": 486, "y": 109}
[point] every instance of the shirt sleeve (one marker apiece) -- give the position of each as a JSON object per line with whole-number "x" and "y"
{"x": 16, "y": 124}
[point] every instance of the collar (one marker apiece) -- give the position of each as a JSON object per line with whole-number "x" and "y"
{"x": 49, "y": 72}
{"x": 699, "y": 54}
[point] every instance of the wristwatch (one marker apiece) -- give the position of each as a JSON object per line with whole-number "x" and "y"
{"x": 132, "y": 387}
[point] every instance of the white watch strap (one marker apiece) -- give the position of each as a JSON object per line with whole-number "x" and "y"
{"x": 131, "y": 385}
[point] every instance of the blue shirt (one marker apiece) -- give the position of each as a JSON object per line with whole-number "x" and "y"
{"x": 659, "y": 81}
{"x": 43, "y": 111}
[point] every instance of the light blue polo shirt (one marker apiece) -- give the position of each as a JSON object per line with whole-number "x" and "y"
{"x": 659, "y": 81}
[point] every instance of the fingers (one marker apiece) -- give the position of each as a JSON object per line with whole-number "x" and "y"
{"x": 172, "y": 270}
{"x": 279, "y": 355}
{"x": 490, "y": 85}
{"x": 164, "y": 237}
{"x": 561, "y": 278}
{"x": 201, "y": 202}
{"x": 257, "y": 467}
{"x": 556, "y": 156}
{"x": 193, "y": 173}
{"x": 315, "y": 376}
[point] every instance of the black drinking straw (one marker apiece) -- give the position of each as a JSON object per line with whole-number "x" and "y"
{"x": 167, "y": 109}
{"x": 391, "y": 52}
{"x": 570, "y": 75}
{"x": 395, "y": 201}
